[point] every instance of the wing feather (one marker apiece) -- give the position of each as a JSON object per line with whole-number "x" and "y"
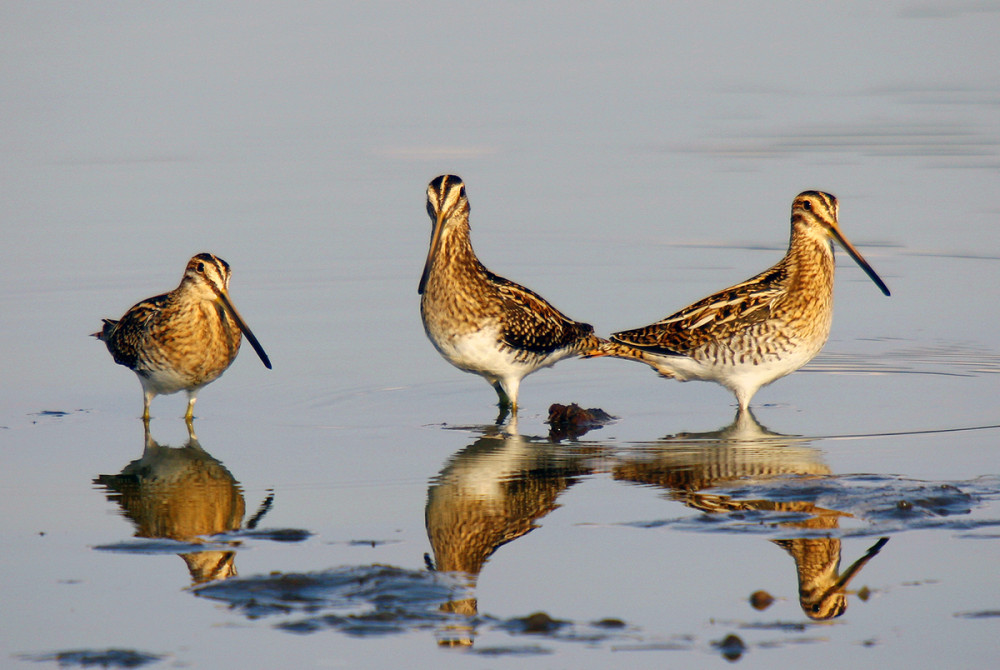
{"x": 531, "y": 323}
{"x": 125, "y": 336}
{"x": 717, "y": 317}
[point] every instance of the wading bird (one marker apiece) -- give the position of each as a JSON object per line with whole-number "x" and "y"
{"x": 753, "y": 333}
{"x": 480, "y": 322}
{"x": 182, "y": 340}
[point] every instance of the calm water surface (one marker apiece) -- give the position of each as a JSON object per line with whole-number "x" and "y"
{"x": 357, "y": 504}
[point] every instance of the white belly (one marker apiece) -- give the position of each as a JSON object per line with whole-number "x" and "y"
{"x": 482, "y": 353}
{"x": 165, "y": 382}
{"x": 734, "y": 376}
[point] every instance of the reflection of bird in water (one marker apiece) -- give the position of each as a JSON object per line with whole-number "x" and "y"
{"x": 183, "y": 494}
{"x": 182, "y": 340}
{"x": 822, "y": 588}
{"x": 753, "y": 333}
{"x": 491, "y": 493}
{"x": 688, "y": 464}
{"x": 480, "y": 322}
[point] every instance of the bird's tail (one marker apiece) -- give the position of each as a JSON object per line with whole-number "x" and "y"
{"x": 103, "y": 333}
{"x": 598, "y": 346}
{"x": 615, "y": 349}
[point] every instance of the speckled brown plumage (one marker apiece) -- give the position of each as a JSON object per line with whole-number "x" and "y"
{"x": 479, "y": 321}
{"x": 755, "y": 332}
{"x": 184, "y": 339}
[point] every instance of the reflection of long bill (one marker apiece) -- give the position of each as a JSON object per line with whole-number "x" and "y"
{"x": 858, "y": 258}
{"x": 855, "y": 568}
{"x": 228, "y": 304}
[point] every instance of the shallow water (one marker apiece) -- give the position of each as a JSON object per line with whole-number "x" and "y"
{"x": 623, "y": 162}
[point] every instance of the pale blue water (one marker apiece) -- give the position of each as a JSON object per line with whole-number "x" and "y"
{"x": 623, "y": 160}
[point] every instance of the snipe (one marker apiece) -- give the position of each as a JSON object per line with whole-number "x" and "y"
{"x": 480, "y": 322}
{"x": 184, "y": 339}
{"x": 753, "y": 333}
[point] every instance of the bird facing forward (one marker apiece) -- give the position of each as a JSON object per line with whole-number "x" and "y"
{"x": 184, "y": 339}
{"x": 480, "y": 322}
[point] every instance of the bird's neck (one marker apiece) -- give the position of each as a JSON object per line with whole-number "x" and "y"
{"x": 455, "y": 255}
{"x": 810, "y": 264}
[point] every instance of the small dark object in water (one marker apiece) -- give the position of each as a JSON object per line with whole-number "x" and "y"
{"x": 761, "y": 600}
{"x": 731, "y": 646}
{"x": 610, "y": 622}
{"x": 984, "y": 614}
{"x": 279, "y": 534}
{"x": 105, "y": 658}
{"x": 576, "y": 415}
{"x": 539, "y": 622}
{"x": 573, "y": 421}
{"x": 904, "y": 505}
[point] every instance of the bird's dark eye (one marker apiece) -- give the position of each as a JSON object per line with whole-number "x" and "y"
{"x": 807, "y": 206}
{"x": 201, "y": 267}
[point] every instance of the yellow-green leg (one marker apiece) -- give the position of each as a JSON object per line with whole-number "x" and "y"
{"x": 189, "y": 415}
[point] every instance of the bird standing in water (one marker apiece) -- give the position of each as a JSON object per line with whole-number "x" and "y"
{"x": 480, "y": 322}
{"x": 182, "y": 340}
{"x": 753, "y": 333}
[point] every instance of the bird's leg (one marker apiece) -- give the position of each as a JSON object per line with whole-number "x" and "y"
{"x": 189, "y": 415}
{"x": 507, "y": 390}
{"x": 503, "y": 414}
{"x": 190, "y": 426}
{"x": 743, "y": 397}
{"x": 504, "y": 399}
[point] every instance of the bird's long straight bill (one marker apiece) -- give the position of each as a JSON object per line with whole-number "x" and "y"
{"x": 246, "y": 329}
{"x": 855, "y": 568}
{"x": 860, "y": 260}
{"x": 435, "y": 240}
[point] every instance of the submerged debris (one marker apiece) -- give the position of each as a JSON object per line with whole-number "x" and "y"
{"x": 761, "y": 600}
{"x": 276, "y": 534}
{"x": 362, "y": 591}
{"x": 539, "y": 622}
{"x": 378, "y": 600}
{"x": 53, "y": 414}
{"x": 523, "y": 650}
{"x": 984, "y": 614}
{"x": 572, "y": 421}
{"x": 609, "y": 622}
{"x": 731, "y": 646}
{"x": 104, "y": 658}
